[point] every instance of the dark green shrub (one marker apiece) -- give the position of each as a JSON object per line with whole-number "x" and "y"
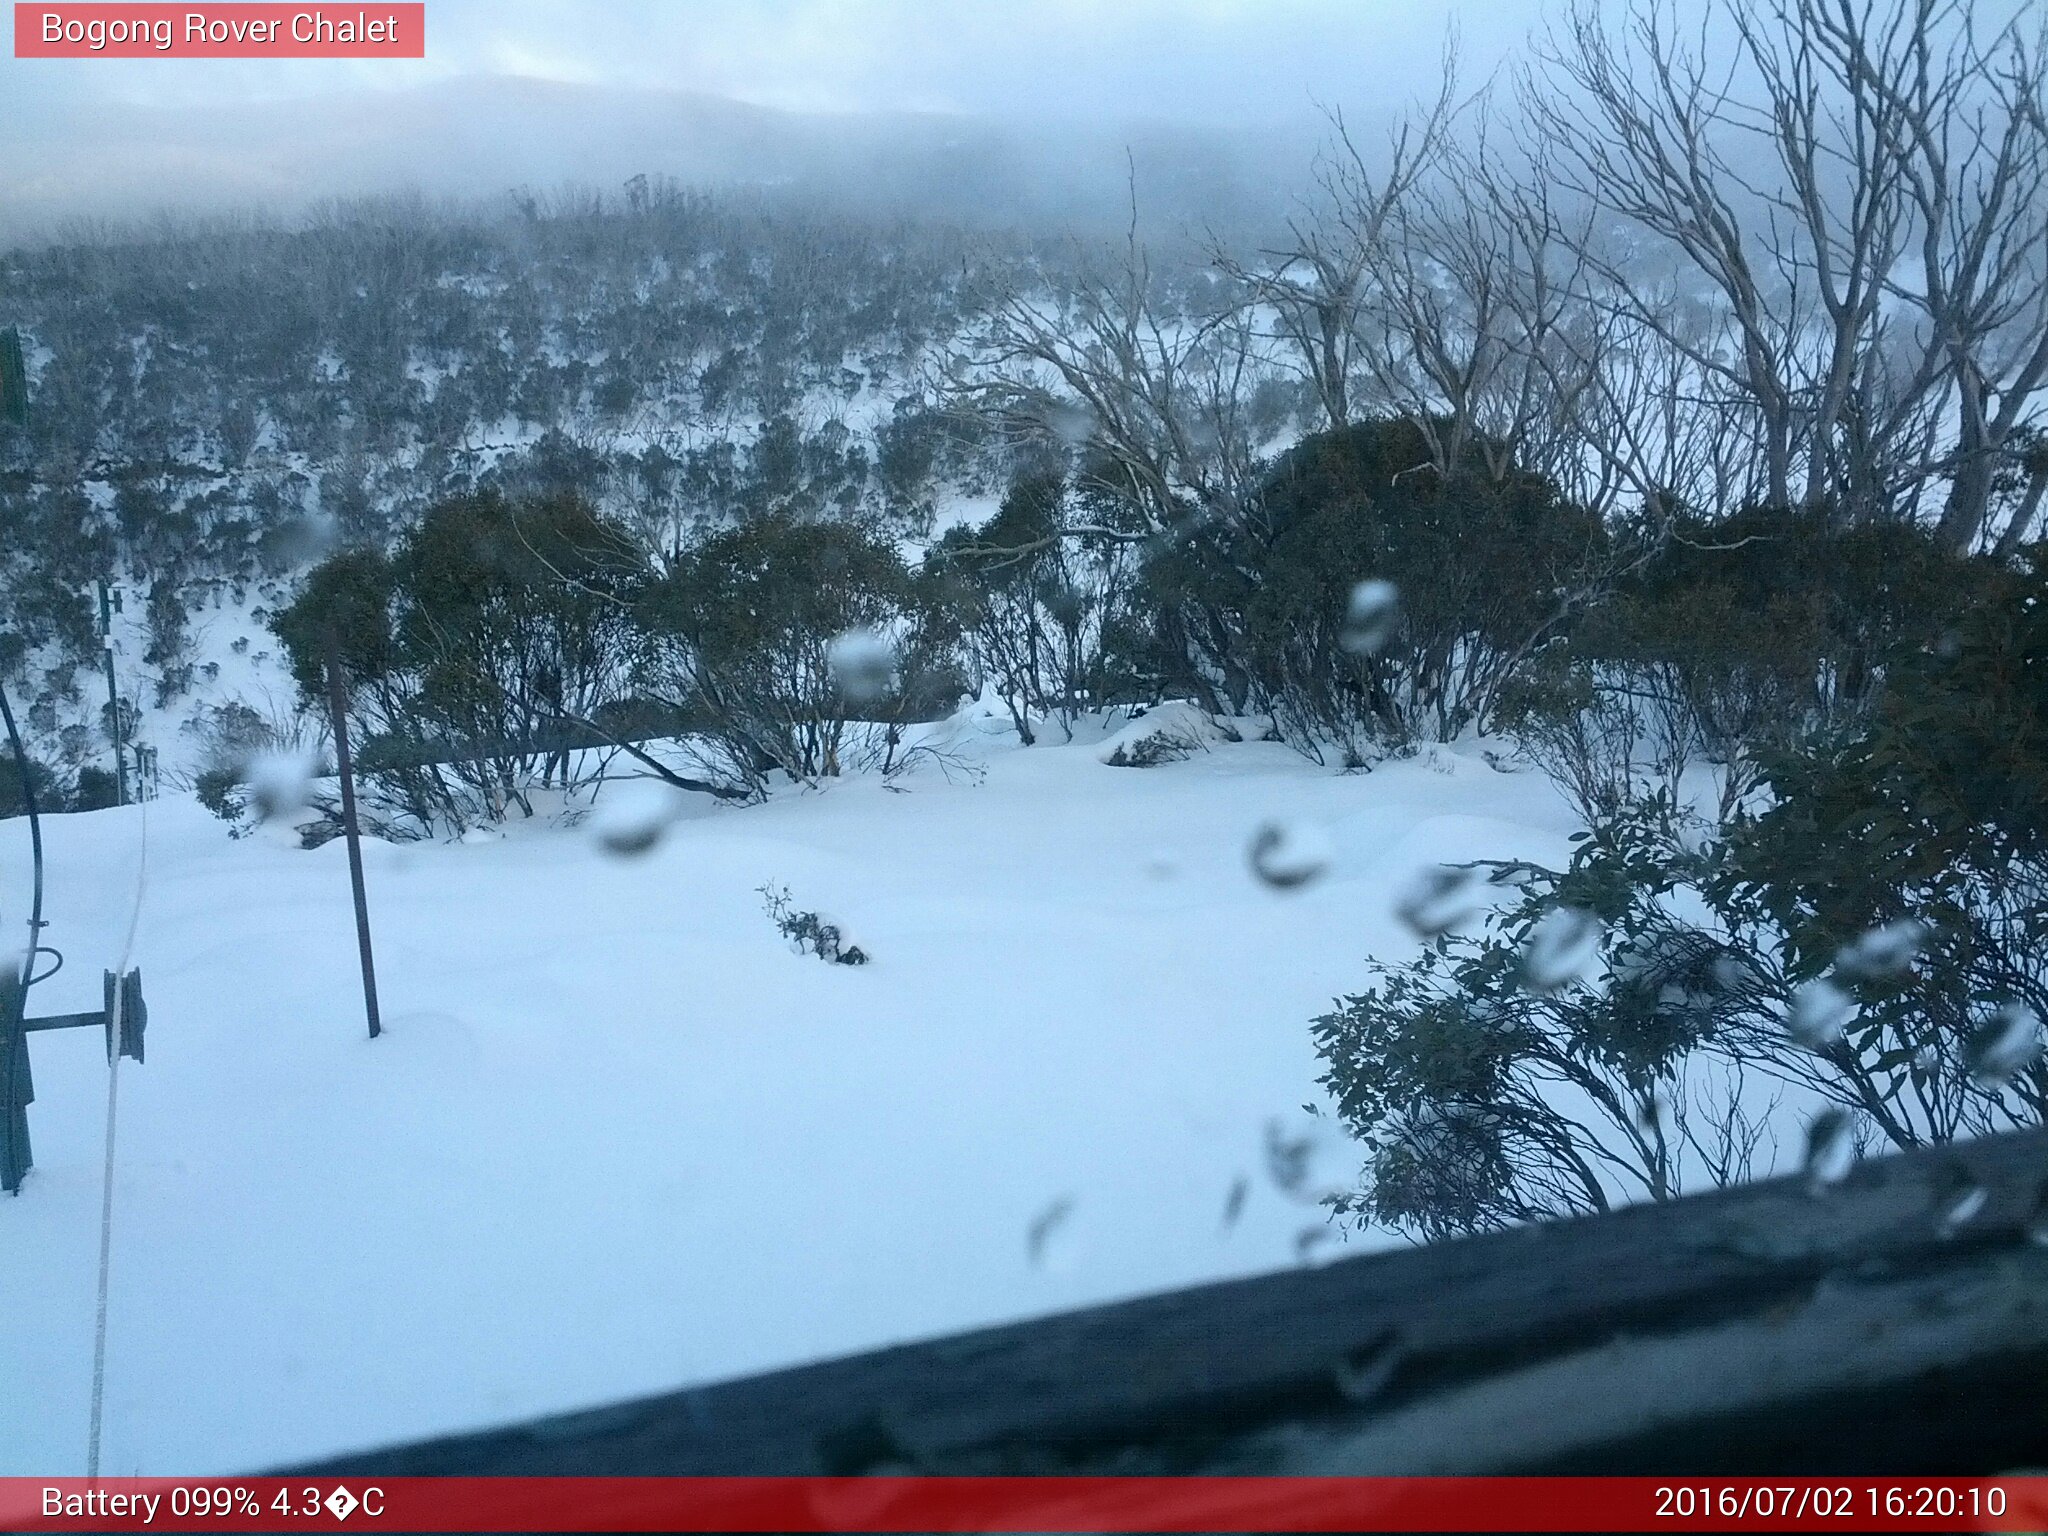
{"x": 739, "y": 634}
{"x": 94, "y": 789}
{"x": 1038, "y": 601}
{"x": 41, "y": 783}
{"x": 1875, "y": 935}
{"x": 1485, "y": 567}
{"x": 476, "y": 654}
{"x": 1728, "y": 640}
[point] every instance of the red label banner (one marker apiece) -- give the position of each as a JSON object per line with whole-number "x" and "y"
{"x": 214, "y": 31}
{"x": 1050, "y": 1504}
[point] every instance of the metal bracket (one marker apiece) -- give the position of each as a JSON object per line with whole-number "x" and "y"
{"x": 17, "y": 1086}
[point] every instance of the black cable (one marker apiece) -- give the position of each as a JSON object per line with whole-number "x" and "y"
{"x": 35, "y": 839}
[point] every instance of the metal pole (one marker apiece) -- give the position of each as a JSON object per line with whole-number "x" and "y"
{"x": 113, "y": 696}
{"x": 337, "y": 704}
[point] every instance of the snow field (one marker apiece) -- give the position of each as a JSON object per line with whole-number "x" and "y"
{"x": 619, "y": 1138}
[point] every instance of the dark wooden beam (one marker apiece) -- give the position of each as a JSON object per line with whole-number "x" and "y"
{"x": 1774, "y": 1328}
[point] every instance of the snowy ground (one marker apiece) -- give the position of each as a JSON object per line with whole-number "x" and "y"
{"x": 620, "y": 1138}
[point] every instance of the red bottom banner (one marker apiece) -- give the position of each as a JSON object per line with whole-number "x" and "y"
{"x": 1050, "y": 1504}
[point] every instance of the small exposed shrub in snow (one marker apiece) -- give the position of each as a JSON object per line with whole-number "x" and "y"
{"x": 807, "y": 932}
{"x": 1149, "y": 751}
{"x": 1163, "y": 735}
{"x": 216, "y": 789}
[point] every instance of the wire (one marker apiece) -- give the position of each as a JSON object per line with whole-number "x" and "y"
{"x": 116, "y": 1012}
{"x": 117, "y": 1031}
{"x": 99, "y": 1332}
{"x": 35, "y": 842}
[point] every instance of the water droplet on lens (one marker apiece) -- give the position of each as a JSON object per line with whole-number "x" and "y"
{"x": 1883, "y": 953}
{"x": 857, "y": 1501}
{"x": 1370, "y": 618}
{"x": 1233, "y": 1203}
{"x": 1287, "y": 857}
{"x": 1162, "y": 865}
{"x": 1309, "y": 1166}
{"x": 1820, "y": 1012}
{"x": 634, "y": 817}
{"x": 863, "y": 666}
{"x": 1287, "y": 1158}
{"x": 281, "y": 784}
{"x": 1309, "y": 1241}
{"x": 1733, "y": 975}
{"x": 1071, "y": 422}
{"x": 2005, "y": 1045}
{"x": 1040, "y": 1238}
{"x": 1651, "y": 1114}
{"x": 1958, "y": 1198}
{"x": 1830, "y": 1147}
{"x": 1963, "y": 1210}
{"x": 1364, "y": 1373}
{"x": 1437, "y": 900}
{"x": 1563, "y": 948}
{"x": 2037, "y": 1219}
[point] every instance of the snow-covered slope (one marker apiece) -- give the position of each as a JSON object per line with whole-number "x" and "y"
{"x": 619, "y": 1137}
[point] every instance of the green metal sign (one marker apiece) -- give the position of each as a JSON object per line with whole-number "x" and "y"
{"x": 13, "y": 379}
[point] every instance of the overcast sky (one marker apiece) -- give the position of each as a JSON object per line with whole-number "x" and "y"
{"x": 1178, "y": 58}
{"x": 535, "y": 93}
{"x": 541, "y": 92}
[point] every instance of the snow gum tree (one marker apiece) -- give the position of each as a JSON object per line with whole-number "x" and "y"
{"x": 476, "y": 654}
{"x": 738, "y": 634}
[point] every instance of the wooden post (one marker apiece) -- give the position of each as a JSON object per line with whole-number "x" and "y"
{"x": 13, "y": 380}
{"x": 107, "y": 608}
{"x": 337, "y": 704}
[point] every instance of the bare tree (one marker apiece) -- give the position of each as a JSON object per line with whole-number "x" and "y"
{"x": 1156, "y": 400}
{"x": 1973, "y": 153}
{"x": 1155, "y": 406}
{"x": 1850, "y": 192}
{"x": 1314, "y": 289}
{"x": 1636, "y": 130}
{"x": 1479, "y": 329}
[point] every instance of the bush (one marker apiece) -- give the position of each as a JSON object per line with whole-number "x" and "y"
{"x": 1833, "y": 946}
{"x": 1485, "y": 566}
{"x": 41, "y": 783}
{"x": 218, "y": 790}
{"x": 477, "y": 655}
{"x": 1039, "y": 604}
{"x": 739, "y": 635}
{"x": 94, "y": 789}
{"x": 809, "y": 933}
{"x": 1934, "y": 816}
{"x": 1498, "y": 1078}
{"x": 1727, "y": 641}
